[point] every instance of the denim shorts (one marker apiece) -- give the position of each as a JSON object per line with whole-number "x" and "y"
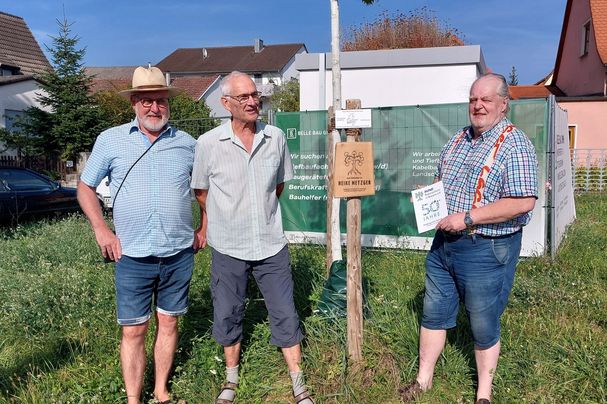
{"x": 166, "y": 279}
{"x": 475, "y": 270}
{"x": 229, "y": 277}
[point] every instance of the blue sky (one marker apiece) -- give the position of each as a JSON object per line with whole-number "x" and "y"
{"x": 520, "y": 33}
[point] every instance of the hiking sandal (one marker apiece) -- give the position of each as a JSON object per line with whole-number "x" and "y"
{"x": 226, "y": 386}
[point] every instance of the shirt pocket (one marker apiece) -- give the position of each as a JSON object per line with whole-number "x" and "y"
{"x": 269, "y": 171}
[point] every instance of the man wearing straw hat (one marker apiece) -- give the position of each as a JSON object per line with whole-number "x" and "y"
{"x": 149, "y": 164}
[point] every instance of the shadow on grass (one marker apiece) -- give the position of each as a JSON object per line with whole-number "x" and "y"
{"x": 55, "y": 355}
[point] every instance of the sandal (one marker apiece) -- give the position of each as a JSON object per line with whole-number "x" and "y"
{"x": 226, "y": 386}
{"x": 302, "y": 396}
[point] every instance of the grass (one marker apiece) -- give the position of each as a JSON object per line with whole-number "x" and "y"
{"x": 59, "y": 340}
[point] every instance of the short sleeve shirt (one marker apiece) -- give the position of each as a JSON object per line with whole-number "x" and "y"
{"x": 153, "y": 210}
{"x": 244, "y": 217}
{"x": 513, "y": 173}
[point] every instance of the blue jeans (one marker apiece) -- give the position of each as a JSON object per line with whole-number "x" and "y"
{"x": 476, "y": 270}
{"x": 167, "y": 279}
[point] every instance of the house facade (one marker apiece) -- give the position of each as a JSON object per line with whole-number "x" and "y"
{"x": 580, "y": 73}
{"x": 21, "y": 63}
{"x": 394, "y": 77}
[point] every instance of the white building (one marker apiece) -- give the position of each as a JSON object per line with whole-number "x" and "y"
{"x": 395, "y": 77}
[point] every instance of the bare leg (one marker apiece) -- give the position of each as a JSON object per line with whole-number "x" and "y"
{"x": 232, "y": 354}
{"x": 431, "y": 344}
{"x": 292, "y": 356}
{"x": 164, "y": 352}
{"x": 486, "y": 364}
{"x": 132, "y": 358}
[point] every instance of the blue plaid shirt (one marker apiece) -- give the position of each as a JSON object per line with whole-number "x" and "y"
{"x": 153, "y": 211}
{"x": 513, "y": 173}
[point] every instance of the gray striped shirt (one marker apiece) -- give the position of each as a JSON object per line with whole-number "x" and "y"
{"x": 244, "y": 219}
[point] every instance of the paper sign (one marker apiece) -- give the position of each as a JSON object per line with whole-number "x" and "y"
{"x": 353, "y": 118}
{"x": 430, "y": 206}
{"x": 353, "y": 175}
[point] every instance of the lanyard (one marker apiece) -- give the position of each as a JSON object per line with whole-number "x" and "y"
{"x": 482, "y": 178}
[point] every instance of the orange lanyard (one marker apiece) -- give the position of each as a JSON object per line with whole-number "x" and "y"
{"x": 482, "y": 178}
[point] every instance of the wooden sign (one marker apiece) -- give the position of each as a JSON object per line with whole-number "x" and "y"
{"x": 353, "y": 174}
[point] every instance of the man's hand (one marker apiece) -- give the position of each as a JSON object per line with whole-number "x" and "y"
{"x": 452, "y": 223}
{"x": 108, "y": 243}
{"x": 200, "y": 239}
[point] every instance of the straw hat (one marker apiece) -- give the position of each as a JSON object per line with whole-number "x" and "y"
{"x": 150, "y": 79}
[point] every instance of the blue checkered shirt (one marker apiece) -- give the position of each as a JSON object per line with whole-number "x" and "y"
{"x": 244, "y": 219}
{"x": 153, "y": 211}
{"x": 513, "y": 173}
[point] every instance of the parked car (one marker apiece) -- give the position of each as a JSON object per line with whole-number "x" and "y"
{"x": 26, "y": 193}
{"x": 104, "y": 195}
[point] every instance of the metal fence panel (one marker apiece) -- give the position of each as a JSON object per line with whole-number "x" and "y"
{"x": 589, "y": 167}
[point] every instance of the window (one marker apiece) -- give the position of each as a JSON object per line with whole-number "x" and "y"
{"x": 20, "y": 180}
{"x": 10, "y": 118}
{"x": 585, "y": 39}
{"x": 572, "y": 130}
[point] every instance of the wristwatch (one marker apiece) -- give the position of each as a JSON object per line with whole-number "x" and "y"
{"x": 468, "y": 221}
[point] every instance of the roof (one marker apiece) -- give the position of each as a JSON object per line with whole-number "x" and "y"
{"x": 598, "y": 8}
{"x": 114, "y": 78}
{"x": 15, "y": 79}
{"x": 521, "y": 92}
{"x": 271, "y": 58}
{"x": 446, "y": 55}
{"x": 117, "y": 78}
{"x": 18, "y": 47}
{"x": 194, "y": 86}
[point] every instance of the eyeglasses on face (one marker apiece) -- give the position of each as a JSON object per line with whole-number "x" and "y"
{"x": 148, "y": 102}
{"x": 242, "y": 98}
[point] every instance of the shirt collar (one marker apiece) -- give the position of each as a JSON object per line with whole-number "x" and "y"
{"x": 493, "y": 132}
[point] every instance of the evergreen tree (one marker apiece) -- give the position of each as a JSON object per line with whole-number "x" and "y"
{"x": 513, "y": 77}
{"x": 74, "y": 122}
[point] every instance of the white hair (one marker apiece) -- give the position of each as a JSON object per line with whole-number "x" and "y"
{"x": 224, "y": 86}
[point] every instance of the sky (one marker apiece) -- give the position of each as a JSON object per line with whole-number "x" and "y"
{"x": 520, "y": 33}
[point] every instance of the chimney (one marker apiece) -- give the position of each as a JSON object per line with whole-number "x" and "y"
{"x": 205, "y": 53}
{"x": 258, "y": 45}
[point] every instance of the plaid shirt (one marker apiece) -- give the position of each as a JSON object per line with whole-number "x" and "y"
{"x": 513, "y": 174}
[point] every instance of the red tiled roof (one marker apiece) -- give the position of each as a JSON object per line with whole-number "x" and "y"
{"x": 194, "y": 86}
{"x": 18, "y": 47}
{"x": 521, "y": 92}
{"x": 598, "y": 9}
{"x": 272, "y": 58}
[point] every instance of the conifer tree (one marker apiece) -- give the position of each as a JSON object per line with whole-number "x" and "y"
{"x": 513, "y": 77}
{"x": 74, "y": 122}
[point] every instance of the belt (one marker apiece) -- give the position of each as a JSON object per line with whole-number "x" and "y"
{"x": 450, "y": 237}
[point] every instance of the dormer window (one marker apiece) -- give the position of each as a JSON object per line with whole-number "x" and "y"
{"x": 585, "y": 39}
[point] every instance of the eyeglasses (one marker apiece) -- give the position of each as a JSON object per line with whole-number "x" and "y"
{"x": 242, "y": 98}
{"x": 160, "y": 102}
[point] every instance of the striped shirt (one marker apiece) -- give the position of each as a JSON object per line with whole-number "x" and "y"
{"x": 153, "y": 211}
{"x": 513, "y": 173}
{"x": 244, "y": 219}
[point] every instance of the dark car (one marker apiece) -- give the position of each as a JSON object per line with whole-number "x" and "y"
{"x": 26, "y": 193}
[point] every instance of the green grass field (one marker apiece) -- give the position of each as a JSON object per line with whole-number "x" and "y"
{"x": 59, "y": 339}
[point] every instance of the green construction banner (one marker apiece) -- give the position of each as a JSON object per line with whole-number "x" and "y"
{"x": 406, "y": 142}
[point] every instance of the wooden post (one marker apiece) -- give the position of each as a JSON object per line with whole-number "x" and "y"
{"x": 354, "y": 270}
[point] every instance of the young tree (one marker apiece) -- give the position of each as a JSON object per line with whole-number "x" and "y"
{"x": 418, "y": 29}
{"x": 513, "y": 77}
{"x": 73, "y": 122}
{"x": 286, "y": 97}
{"x": 191, "y": 116}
